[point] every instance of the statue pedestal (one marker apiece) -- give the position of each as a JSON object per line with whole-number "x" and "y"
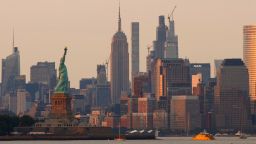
{"x": 61, "y": 106}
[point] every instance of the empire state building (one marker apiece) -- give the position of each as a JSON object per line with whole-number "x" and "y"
{"x": 119, "y": 61}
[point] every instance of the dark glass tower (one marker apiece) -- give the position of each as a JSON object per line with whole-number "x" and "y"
{"x": 10, "y": 70}
{"x": 160, "y": 38}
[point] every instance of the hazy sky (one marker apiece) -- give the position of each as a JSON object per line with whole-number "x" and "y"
{"x": 207, "y": 29}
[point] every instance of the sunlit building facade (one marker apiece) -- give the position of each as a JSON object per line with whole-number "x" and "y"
{"x": 203, "y": 68}
{"x": 171, "y": 77}
{"x": 185, "y": 115}
{"x": 250, "y": 60}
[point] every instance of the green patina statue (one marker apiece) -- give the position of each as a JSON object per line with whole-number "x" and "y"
{"x": 63, "y": 83}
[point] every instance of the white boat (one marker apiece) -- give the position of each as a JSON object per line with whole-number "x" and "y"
{"x": 238, "y": 133}
{"x": 241, "y": 135}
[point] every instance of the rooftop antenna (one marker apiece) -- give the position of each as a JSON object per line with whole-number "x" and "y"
{"x": 171, "y": 14}
{"x": 107, "y": 66}
{"x": 13, "y": 44}
{"x": 119, "y": 18}
{"x": 148, "y": 47}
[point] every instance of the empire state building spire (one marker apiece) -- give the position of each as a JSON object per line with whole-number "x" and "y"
{"x": 119, "y": 19}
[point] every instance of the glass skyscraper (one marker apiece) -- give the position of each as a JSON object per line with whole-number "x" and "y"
{"x": 10, "y": 70}
{"x": 250, "y": 60}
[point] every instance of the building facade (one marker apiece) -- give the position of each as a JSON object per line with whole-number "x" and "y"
{"x": 196, "y": 79}
{"x": 23, "y": 103}
{"x": 160, "y": 120}
{"x": 217, "y": 64}
{"x": 141, "y": 84}
{"x": 171, "y": 77}
{"x": 185, "y": 115}
{"x": 45, "y": 73}
{"x": 85, "y": 82}
{"x": 203, "y": 68}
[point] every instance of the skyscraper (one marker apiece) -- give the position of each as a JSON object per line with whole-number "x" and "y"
{"x": 196, "y": 80}
{"x": 171, "y": 77}
{"x": 101, "y": 74}
{"x": 171, "y": 44}
{"x": 135, "y": 49}
{"x": 10, "y": 69}
{"x": 102, "y": 87}
{"x": 22, "y": 103}
{"x": 250, "y": 60}
{"x": 45, "y": 73}
{"x": 203, "y": 68}
{"x": 85, "y": 82}
{"x": 141, "y": 84}
{"x": 217, "y": 64}
{"x": 119, "y": 64}
{"x": 160, "y": 38}
{"x": 231, "y": 100}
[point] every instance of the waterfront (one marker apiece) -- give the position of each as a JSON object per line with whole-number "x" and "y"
{"x": 168, "y": 140}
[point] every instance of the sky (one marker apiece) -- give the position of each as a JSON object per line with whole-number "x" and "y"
{"x": 207, "y": 30}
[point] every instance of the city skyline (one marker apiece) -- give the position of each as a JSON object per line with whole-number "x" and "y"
{"x": 79, "y": 25}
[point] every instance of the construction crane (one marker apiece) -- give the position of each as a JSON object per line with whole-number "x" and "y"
{"x": 149, "y": 47}
{"x": 106, "y": 64}
{"x": 171, "y": 15}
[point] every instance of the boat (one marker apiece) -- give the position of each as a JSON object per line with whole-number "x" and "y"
{"x": 218, "y": 134}
{"x": 203, "y": 136}
{"x": 142, "y": 134}
{"x": 241, "y": 135}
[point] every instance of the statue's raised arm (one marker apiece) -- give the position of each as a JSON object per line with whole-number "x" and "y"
{"x": 63, "y": 84}
{"x": 65, "y": 53}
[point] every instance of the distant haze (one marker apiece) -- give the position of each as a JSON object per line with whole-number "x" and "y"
{"x": 207, "y": 29}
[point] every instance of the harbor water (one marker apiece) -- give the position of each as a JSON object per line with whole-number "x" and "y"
{"x": 161, "y": 140}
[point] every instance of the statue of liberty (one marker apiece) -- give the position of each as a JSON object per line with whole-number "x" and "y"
{"x": 63, "y": 83}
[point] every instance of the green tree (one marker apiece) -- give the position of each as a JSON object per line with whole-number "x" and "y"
{"x": 26, "y": 121}
{"x": 7, "y": 123}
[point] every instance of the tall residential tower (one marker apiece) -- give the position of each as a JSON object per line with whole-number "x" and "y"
{"x": 135, "y": 49}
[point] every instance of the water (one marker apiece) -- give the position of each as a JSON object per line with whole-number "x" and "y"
{"x": 169, "y": 140}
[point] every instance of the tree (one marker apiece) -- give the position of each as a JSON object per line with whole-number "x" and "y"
{"x": 7, "y": 123}
{"x": 26, "y": 121}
